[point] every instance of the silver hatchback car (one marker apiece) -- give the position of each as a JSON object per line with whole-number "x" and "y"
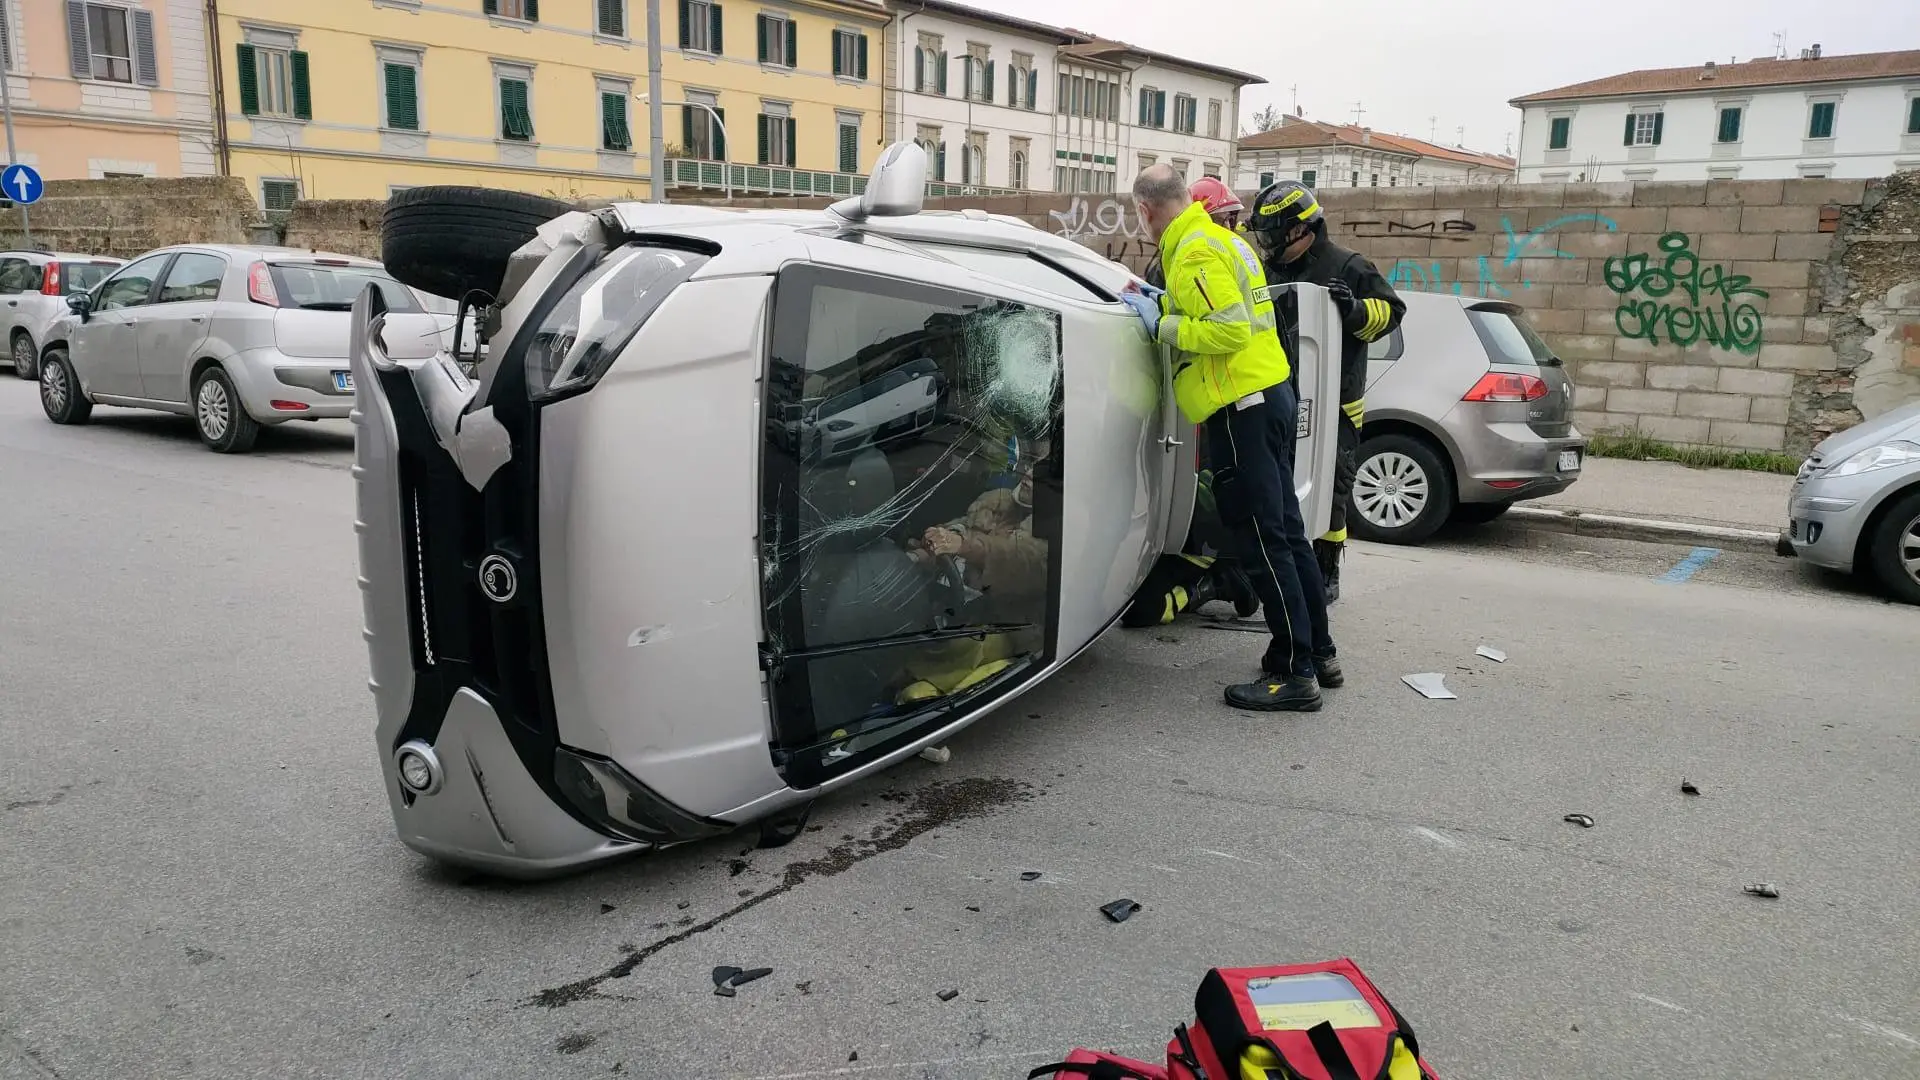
{"x": 235, "y": 337}
{"x": 1855, "y": 505}
{"x": 34, "y": 286}
{"x": 1467, "y": 413}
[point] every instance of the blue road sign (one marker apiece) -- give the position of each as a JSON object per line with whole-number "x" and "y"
{"x": 22, "y": 184}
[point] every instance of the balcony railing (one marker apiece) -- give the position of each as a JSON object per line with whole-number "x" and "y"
{"x": 778, "y": 180}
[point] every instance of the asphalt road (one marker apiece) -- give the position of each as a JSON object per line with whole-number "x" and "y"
{"x": 198, "y": 875}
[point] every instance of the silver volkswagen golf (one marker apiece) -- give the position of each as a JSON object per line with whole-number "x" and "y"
{"x": 634, "y": 583}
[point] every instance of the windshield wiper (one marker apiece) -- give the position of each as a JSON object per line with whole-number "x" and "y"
{"x": 773, "y": 659}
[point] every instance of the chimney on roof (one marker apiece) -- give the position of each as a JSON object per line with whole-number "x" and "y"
{"x": 1811, "y": 53}
{"x": 1707, "y": 72}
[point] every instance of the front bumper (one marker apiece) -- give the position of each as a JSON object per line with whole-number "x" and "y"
{"x": 1825, "y": 516}
{"x": 266, "y": 376}
{"x": 1509, "y": 462}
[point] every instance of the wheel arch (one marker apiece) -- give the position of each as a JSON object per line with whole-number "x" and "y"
{"x": 1877, "y": 517}
{"x": 1398, "y": 423}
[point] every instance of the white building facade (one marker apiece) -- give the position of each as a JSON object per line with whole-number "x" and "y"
{"x": 1005, "y": 105}
{"x": 1343, "y": 155}
{"x": 1854, "y": 116}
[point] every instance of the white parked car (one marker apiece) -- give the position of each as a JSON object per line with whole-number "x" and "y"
{"x": 236, "y": 337}
{"x": 34, "y": 286}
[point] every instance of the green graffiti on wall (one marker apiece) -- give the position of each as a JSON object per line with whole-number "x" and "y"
{"x": 1683, "y": 301}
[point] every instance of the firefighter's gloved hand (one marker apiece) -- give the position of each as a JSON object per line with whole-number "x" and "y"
{"x": 1342, "y": 294}
{"x": 1147, "y": 308}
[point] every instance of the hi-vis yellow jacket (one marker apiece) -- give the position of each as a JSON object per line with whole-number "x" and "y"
{"x": 1216, "y": 316}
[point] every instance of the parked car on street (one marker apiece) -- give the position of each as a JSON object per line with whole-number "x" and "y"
{"x": 236, "y": 337}
{"x": 1468, "y": 412}
{"x": 617, "y": 596}
{"x": 34, "y": 286}
{"x": 1855, "y": 505}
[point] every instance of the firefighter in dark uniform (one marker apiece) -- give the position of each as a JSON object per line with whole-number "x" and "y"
{"x": 1201, "y": 572}
{"x": 1291, "y": 232}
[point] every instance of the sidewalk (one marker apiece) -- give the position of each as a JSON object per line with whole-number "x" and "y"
{"x": 1659, "y": 499}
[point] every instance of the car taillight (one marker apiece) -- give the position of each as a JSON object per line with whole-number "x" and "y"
{"x": 260, "y": 288}
{"x": 50, "y": 285}
{"x": 1506, "y": 386}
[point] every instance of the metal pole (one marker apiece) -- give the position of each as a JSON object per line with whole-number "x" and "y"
{"x": 6, "y": 110}
{"x": 656, "y": 144}
{"x": 726, "y": 170}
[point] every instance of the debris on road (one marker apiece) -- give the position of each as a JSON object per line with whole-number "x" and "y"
{"x": 1120, "y": 910}
{"x": 724, "y": 975}
{"x": 947, "y": 995}
{"x": 1030, "y": 875}
{"x": 1585, "y": 821}
{"x": 939, "y": 755}
{"x": 606, "y": 909}
{"x": 751, "y": 975}
{"x": 1687, "y": 787}
{"x": 1491, "y": 653}
{"x": 1249, "y": 627}
{"x": 726, "y": 979}
{"x": 1771, "y": 892}
{"x": 1431, "y": 685}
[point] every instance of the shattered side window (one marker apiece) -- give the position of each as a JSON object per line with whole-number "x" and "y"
{"x": 910, "y": 509}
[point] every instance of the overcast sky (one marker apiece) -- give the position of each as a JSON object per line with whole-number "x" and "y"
{"x": 1460, "y": 60}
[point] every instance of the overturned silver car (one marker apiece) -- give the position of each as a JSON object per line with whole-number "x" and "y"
{"x": 741, "y": 506}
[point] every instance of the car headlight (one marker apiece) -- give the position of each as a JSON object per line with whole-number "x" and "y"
{"x": 1884, "y": 456}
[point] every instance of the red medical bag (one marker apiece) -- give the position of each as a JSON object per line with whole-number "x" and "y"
{"x": 1099, "y": 1065}
{"x": 1323, "y": 1021}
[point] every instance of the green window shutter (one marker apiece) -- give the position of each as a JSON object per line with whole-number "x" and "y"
{"x": 966, "y": 77}
{"x": 1659, "y": 121}
{"x": 793, "y": 145}
{"x": 403, "y": 101}
{"x": 1822, "y": 125}
{"x": 833, "y": 43}
{"x": 491, "y": 7}
{"x": 1160, "y": 109}
{"x": 987, "y": 92}
{"x": 297, "y": 69}
{"x": 1033, "y": 87}
{"x": 860, "y": 57}
{"x": 793, "y": 43}
{"x": 686, "y": 130}
{"x": 613, "y": 123}
{"x": 849, "y": 148}
{"x": 919, "y": 70}
{"x": 940, "y": 163}
{"x": 1628, "y": 141}
{"x": 249, "y": 81}
{"x": 612, "y": 19}
{"x": 1913, "y": 116}
{"x": 533, "y": 10}
{"x": 760, "y": 29}
{"x": 719, "y": 135}
{"x": 1144, "y": 98}
{"x": 1557, "y": 133}
{"x": 1013, "y": 88}
{"x": 713, "y": 35}
{"x": 763, "y": 118}
{"x": 516, "y": 121}
{"x": 686, "y": 18}
{"x": 1729, "y": 127}
{"x": 942, "y": 73}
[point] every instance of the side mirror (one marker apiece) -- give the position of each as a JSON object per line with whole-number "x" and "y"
{"x": 897, "y": 188}
{"x": 80, "y": 304}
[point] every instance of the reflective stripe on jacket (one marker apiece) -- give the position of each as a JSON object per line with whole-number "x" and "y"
{"x": 1225, "y": 343}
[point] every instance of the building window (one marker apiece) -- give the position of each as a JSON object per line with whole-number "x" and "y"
{"x": 1644, "y": 129}
{"x": 776, "y": 134}
{"x": 849, "y": 54}
{"x": 1355, "y": 180}
{"x": 928, "y": 136}
{"x": 1213, "y": 119}
{"x": 1017, "y": 163}
{"x": 614, "y": 133}
{"x": 702, "y": 132}
{"x": 779, "y": 40}
{"x": 273, "y": 78}
{"x": 976, "y": 74}
{"x": 111, "y": 43}
{"x": 1729, "y": 125}
{"x": 849, "y": 142}
{"x": 1146, "y": 161}
{"x": 700, "y": 27}
{"x": 516, "y": 106}
{"x": 1266, "y": 180}
{"x": 1181, "y": 167}
{"x": 612, "y": 18}
{"x": 1913, "y": 116}
{"x": 1559, "y": 132}
{"x": 1820, "y": 119}
{"x": 1185, "y": 114}
{"x": 525, "y": 10}
{"x": 973, "y": 162}
{"x": 1023, "y": 83}
{"x": 1153, "y": 107}
{"x": 1374, "y": 180}
{"x": 400, "y": 78}
{"x": 279, "y": 195}
{"x": 929, "y": 68}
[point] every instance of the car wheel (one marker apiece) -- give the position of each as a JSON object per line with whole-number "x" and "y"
{"x": 1479, "y": 513}
{"x": 26, "y": 359}
{"x": 451, "y": 241}
{"x": 1894, "y": 550}
{"x": 1402, "y": 491}
{"x": 222, "y": 420}
{"x": 60, "y": 393}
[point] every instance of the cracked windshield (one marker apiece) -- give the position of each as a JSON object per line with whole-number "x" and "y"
{"x": 912, "y": 497}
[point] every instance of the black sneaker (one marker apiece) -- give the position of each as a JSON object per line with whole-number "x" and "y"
{"x": 1328, "y": 672}
{"x": 1284, "y": 695}
{"x": 1237, "y": 588}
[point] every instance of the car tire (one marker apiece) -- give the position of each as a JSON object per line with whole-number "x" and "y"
{"x": 1479, "y": 513}
{"x": 26, "y": 356}
{"x": 1402, "y": 490}
{"x": 60, "y": 393}
{"x": 219, "y": 416}
{"x": 453, "y": 241}
{"x": 1893, "y": 549}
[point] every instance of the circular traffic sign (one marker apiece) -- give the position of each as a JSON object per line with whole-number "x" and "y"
{"x": 22, "y": 184}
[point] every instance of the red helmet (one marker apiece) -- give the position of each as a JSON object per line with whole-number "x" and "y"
{"x": 1217, "y": 197}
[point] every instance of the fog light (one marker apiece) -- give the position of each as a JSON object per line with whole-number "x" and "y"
{"x": 419, "y": 767}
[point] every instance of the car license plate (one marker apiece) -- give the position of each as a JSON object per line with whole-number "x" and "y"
{"x": 343, "y": 382}
{"x": 1304, "y": 426}
{"x": 1569, "y": 461}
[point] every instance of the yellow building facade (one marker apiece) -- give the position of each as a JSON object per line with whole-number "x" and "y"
{"x": 348, "y": 99}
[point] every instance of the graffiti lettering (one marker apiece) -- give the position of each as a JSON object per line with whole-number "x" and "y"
{"x": 1083, "y": 221}
{"x": 1450, "y": 229}
{"x": 1408, "y": 274}
{"x": 1522, "y": 246}
{"x": 1690, "y": 302}
{"x": 1411, "y": 274}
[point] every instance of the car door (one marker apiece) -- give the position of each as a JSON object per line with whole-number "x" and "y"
{"x": 176, "y": 323}
{"x": 15, "y": 273}
{"x": 104, "y": 349}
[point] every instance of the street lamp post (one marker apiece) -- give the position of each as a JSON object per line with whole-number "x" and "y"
{"x": 726, "y": 170}
{"x": 656, "y": 143}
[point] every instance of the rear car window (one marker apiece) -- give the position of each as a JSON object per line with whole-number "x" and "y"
{"x": 78, "y": 277}
{"x": 1508, "y": 337}
{"x": 319, "y": 287}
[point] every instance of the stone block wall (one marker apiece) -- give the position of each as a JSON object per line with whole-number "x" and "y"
{"x": 125, "y": 217}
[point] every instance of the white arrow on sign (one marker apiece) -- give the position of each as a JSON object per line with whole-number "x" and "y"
{"x": 24, "y": 186}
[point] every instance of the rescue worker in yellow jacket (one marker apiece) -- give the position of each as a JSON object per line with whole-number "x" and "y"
{"x": 1230, "y": 373}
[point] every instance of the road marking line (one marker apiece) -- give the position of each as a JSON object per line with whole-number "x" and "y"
{"x": 1690, "y": 565}
{"x": 1651, "y": 1000}
{"x": 1235, "y": 858}
{"x": 1884, "y": 1032}
{"x": 1439, "y": 838}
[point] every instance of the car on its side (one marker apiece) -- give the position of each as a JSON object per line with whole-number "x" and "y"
{"x": 1855, "y": 505}
{"x": 34, "y": 286}
{"x": 237, "y": 337}
{"x": 1467, "y": 413}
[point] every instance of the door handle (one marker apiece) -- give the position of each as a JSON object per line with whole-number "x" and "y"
{"x": 1169, "y": 442}
{"x": 199, "y": 318}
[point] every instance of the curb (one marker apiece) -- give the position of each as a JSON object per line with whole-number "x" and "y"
{"x": 1635, "y": 528}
